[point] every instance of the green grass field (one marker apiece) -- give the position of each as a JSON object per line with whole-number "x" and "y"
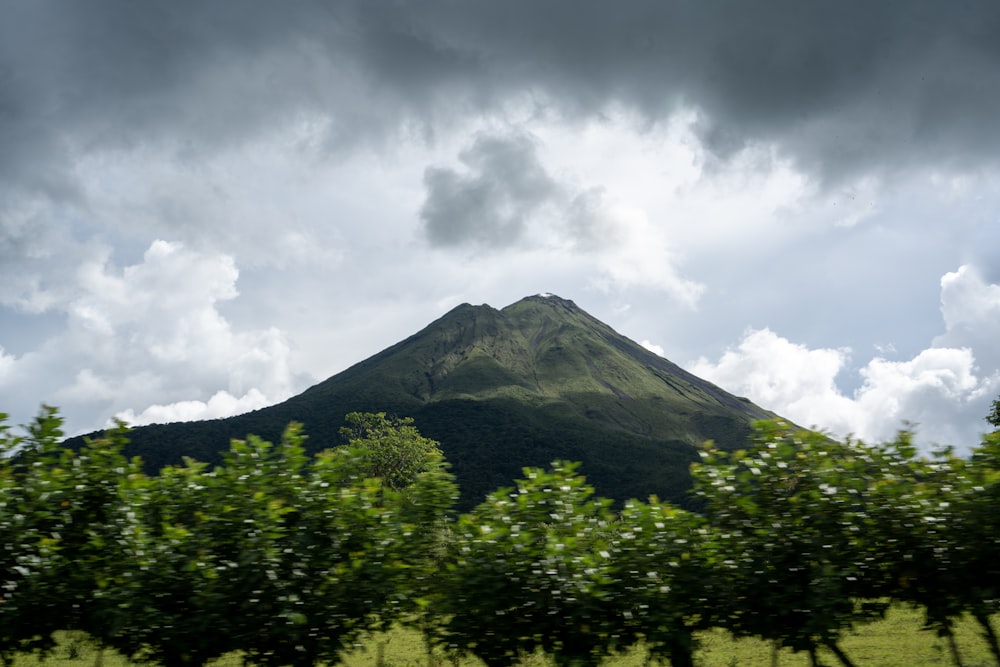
{"x": 896, "y": 641}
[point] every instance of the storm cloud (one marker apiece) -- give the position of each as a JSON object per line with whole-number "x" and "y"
{"x": 838, "y": 86}
{"x": 695, "y": 174}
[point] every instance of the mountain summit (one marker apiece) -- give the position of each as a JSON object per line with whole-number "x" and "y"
{"x": 533, "y": 382}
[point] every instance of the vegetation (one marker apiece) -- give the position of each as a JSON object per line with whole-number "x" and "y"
{"x": 289, "y": 559}
{"x": 789, "y": 515}
{"x": 286, "y": 558}
{"x": 531, "y": 569}
{"x": 994, "y": 416}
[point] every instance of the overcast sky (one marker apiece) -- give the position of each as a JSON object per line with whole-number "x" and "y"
{"x": 206, "y": 208}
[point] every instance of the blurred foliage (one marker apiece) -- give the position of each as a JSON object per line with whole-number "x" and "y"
{"x": 289, "y": 558}
{"x": 531, "y": 569}
{"x": 284, "y": 557}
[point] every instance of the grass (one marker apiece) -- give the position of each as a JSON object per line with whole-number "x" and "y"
{"x": 896, "y": 641}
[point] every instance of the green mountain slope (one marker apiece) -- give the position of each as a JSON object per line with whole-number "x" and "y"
{"x": 501, "y": 389}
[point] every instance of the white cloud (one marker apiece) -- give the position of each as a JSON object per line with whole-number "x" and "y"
{"x": 796, "y": 382}
{"x": 942, "y": 391}
{"x": 652, "y": 347}
{"x": 268, "y": 202}
{"x": 971, "y": 310}
{"x": 966, "y": 300}
{"x": 87, "y": 386}
{"x": 221, "y": 404}
{"x": 938, "y": 391}
{"x": 152, "y": 331}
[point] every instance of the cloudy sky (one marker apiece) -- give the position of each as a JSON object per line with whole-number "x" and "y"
{"x": 207, "y": 207}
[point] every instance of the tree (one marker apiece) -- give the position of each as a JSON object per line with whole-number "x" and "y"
{"x": 918, "y": 520}
{"x": 29, "y": 547}
{"x": 664, "y": 569}
{"x": 285, "y": 558}
{"x": 531, "y": 568}
{"x": 354, "y": 552}
{"x": 979, "y": 535}
{"x": 994, "y": 415}
{"x": 64, "y": 520}
{"x": 184, "y": 583}
{"x": 790, "y": 517}
{"x": 393, "y": 449}
{"x": 937, "y": 525}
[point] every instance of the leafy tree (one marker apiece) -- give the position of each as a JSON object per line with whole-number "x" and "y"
{"x": 664, "y": 568}
{"x": 27, "y": 546}
{"x": 97, "y": 547}
{"x": 994, "y": 415}
{"x": 353, "y": 554}
{"x": 286, "y": 558}
{"x": 789, "y": 514}
{"x": 182, "y": 612}
{"x": 531, "y": 568}
{"x": 936, "y": 524}
{"x": 917, "y": 520}
{"x": 393, "y": 449}
{"x": 333, "y": 568}
{"x": 66, "y": 564}
{"x": 979, "y": 535}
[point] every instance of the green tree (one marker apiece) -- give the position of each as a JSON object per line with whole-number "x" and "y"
{"x": 529, "y": 569}
{"x": 664, "y": 569}
{"x": 936, "y": 524}
{"x": 285, "y": 558}
{"x": 918, "y": 519}
{"x": 994, "y": 415}
{"x": 64, "y": 517}
{"x": 29, "y": 547}
{"x": 979, "y": 535}
{"x": 183, "y": 614}
{"x": 393, "y": 449}
{"x": 354, "y": 554}
{"x": 790, "y": 516}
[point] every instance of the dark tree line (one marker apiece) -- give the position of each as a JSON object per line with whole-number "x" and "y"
{"x": 292, "y": 559}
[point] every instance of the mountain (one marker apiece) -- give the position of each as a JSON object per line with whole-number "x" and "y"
{"x": 537, "y": 381}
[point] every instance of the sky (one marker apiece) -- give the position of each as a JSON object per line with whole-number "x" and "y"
{"x": 206, "y": 208}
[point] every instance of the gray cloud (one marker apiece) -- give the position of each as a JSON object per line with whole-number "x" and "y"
{"x": 588, "y": 221}
{"x": 489, "y": 205}
{"x": 840, "y": 87}
{"x": 292, "y": 137}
